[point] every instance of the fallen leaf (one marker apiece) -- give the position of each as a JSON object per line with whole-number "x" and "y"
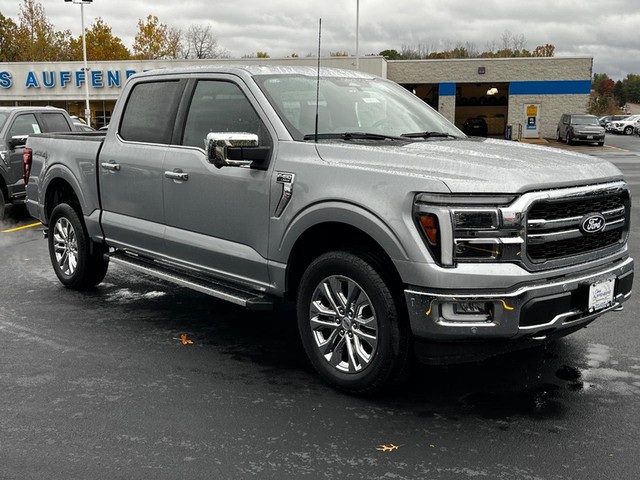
{"x": 388, "y": 448}
{"x": 185, "y": 340}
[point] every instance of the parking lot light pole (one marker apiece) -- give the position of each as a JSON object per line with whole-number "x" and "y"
{"x": 87, "y": 109}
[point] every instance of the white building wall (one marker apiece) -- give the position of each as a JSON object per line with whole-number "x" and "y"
{"x": 498, "y": 70}
{"x": 552, "y": 107}
{"x": 503, "y": 70}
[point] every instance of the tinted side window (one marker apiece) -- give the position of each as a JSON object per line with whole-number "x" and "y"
{"x": 54, "y": 122}
{"x": 219, "y": 106}
{"x": 24, "y": 125}
{"x": 149, "y": 114}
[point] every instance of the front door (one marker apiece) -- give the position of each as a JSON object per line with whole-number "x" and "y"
{"x": 218, "y": 219}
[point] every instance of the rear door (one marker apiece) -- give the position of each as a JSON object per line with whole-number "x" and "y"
{"x": 131, "y": 167}
{"x": 218, "y": 219}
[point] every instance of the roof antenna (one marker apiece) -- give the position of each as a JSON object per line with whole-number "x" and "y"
{"x": 318, "y": 79}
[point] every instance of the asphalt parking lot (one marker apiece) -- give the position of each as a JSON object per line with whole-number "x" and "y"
{"x": 142, "y": 379}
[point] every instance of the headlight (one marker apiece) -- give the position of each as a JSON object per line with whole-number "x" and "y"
{"x": 466, "y": 228}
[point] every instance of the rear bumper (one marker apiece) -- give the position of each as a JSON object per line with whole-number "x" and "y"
{"x": 530, "y": 311}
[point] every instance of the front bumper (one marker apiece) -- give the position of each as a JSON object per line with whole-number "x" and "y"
{"x": 529, "y": 311}
{"x": 587, "y": 137}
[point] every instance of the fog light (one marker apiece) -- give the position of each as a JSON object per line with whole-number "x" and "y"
{"x": 467, "y": 312}
{"x": 471, "y": 307}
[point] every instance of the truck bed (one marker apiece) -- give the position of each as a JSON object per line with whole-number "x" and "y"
{"x": 67, "y": 157}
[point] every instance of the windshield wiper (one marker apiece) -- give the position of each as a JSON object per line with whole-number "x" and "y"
{"x": 352, "y": 136}
{"x": 428, "y": 135}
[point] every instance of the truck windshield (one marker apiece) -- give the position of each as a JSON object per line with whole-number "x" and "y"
{"x": 348, "y": 105}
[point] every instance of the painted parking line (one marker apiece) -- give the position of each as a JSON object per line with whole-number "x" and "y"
{"x": 24, "y": 227}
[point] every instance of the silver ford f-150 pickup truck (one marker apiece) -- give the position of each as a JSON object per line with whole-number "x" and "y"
{"x": 393, "y": 232}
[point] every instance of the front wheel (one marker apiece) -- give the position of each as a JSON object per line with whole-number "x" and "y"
{"x": 558, "y": 137}
{"x": 628, "y": 130}
{"x": 351, "y": 324}
{"x": 78, "y": 262}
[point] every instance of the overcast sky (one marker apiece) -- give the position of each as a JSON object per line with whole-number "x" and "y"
{"x": 606, "y": 30}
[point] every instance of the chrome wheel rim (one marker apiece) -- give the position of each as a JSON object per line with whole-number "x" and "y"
{"x": 344, "y": 324}
{"x": 65, "y": 246}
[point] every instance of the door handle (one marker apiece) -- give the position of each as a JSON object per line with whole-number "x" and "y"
{"x": 111, "y": 166}
{"x": 177, "y": 174}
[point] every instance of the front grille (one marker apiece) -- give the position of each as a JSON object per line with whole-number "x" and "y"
{"x": 572, "y": 208}
{"x": 554, "y": 226}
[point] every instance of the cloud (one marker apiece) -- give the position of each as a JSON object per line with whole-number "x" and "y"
{"x": 281, "y": 27}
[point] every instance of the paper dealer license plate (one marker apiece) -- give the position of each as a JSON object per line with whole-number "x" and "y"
{"x": 601, "y": 294}
{"x": 589, "y": 137}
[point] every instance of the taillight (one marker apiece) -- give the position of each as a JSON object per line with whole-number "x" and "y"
{"x": 27, "y": 159}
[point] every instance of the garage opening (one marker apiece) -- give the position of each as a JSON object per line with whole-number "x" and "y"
{"x": 481, "y": 108}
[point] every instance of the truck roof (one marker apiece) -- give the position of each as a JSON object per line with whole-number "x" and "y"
{"x": 255, "y": 70}
{"x": 28, "y": 109}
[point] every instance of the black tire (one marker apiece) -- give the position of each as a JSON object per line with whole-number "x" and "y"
{"x": 78, "y": 262}
{"x": 628, "y": 130}
{"x": 373, "y": 324}
{"x": 558, "y": 137}
{"x": 2, "y": 200}
{"x": 568, "y": 139}
{"x": 600, "y": 144}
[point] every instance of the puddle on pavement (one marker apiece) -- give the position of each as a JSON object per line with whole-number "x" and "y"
{"x": 537, "y": 385}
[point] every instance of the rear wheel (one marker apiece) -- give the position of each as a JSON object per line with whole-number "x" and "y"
{"x": 351, "y": 324}
{"x": 558, "y": 137}
{"x": 78, "y": 262}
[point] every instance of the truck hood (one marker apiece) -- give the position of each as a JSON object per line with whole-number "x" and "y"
{"x": 469, "y": 165}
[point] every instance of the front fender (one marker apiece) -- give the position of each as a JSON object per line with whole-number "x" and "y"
{"x": 339, "y": 212}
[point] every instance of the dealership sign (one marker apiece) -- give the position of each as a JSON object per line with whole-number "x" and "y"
{"x": 65, "y": 78}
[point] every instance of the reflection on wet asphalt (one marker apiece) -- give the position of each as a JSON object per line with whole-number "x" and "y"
{"x": 537, "y": 383}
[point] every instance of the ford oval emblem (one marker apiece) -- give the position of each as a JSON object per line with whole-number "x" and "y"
{"x": 593, "y": 223}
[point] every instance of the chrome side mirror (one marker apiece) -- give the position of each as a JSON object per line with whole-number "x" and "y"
{"x": 225, "y": 149}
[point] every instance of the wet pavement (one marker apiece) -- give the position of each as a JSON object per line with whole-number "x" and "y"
{"x": 105, "y": 385}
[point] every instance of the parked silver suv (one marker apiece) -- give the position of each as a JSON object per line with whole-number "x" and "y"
{"x": 580, "y": 128}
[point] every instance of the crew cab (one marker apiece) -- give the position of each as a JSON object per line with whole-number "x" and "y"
{"x": 394, "y": 233}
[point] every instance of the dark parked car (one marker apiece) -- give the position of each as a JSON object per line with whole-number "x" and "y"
{"x": 476, "y": 127}
{"x": 580, "y": 128}
{"x": 16, "y": 124}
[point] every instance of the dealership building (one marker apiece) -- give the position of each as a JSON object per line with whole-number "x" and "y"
{"x": 524, "y": 97}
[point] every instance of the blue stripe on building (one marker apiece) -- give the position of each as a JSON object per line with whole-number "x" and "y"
{"x": 447, "y": 89}
{"x": 553, "y": 87}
